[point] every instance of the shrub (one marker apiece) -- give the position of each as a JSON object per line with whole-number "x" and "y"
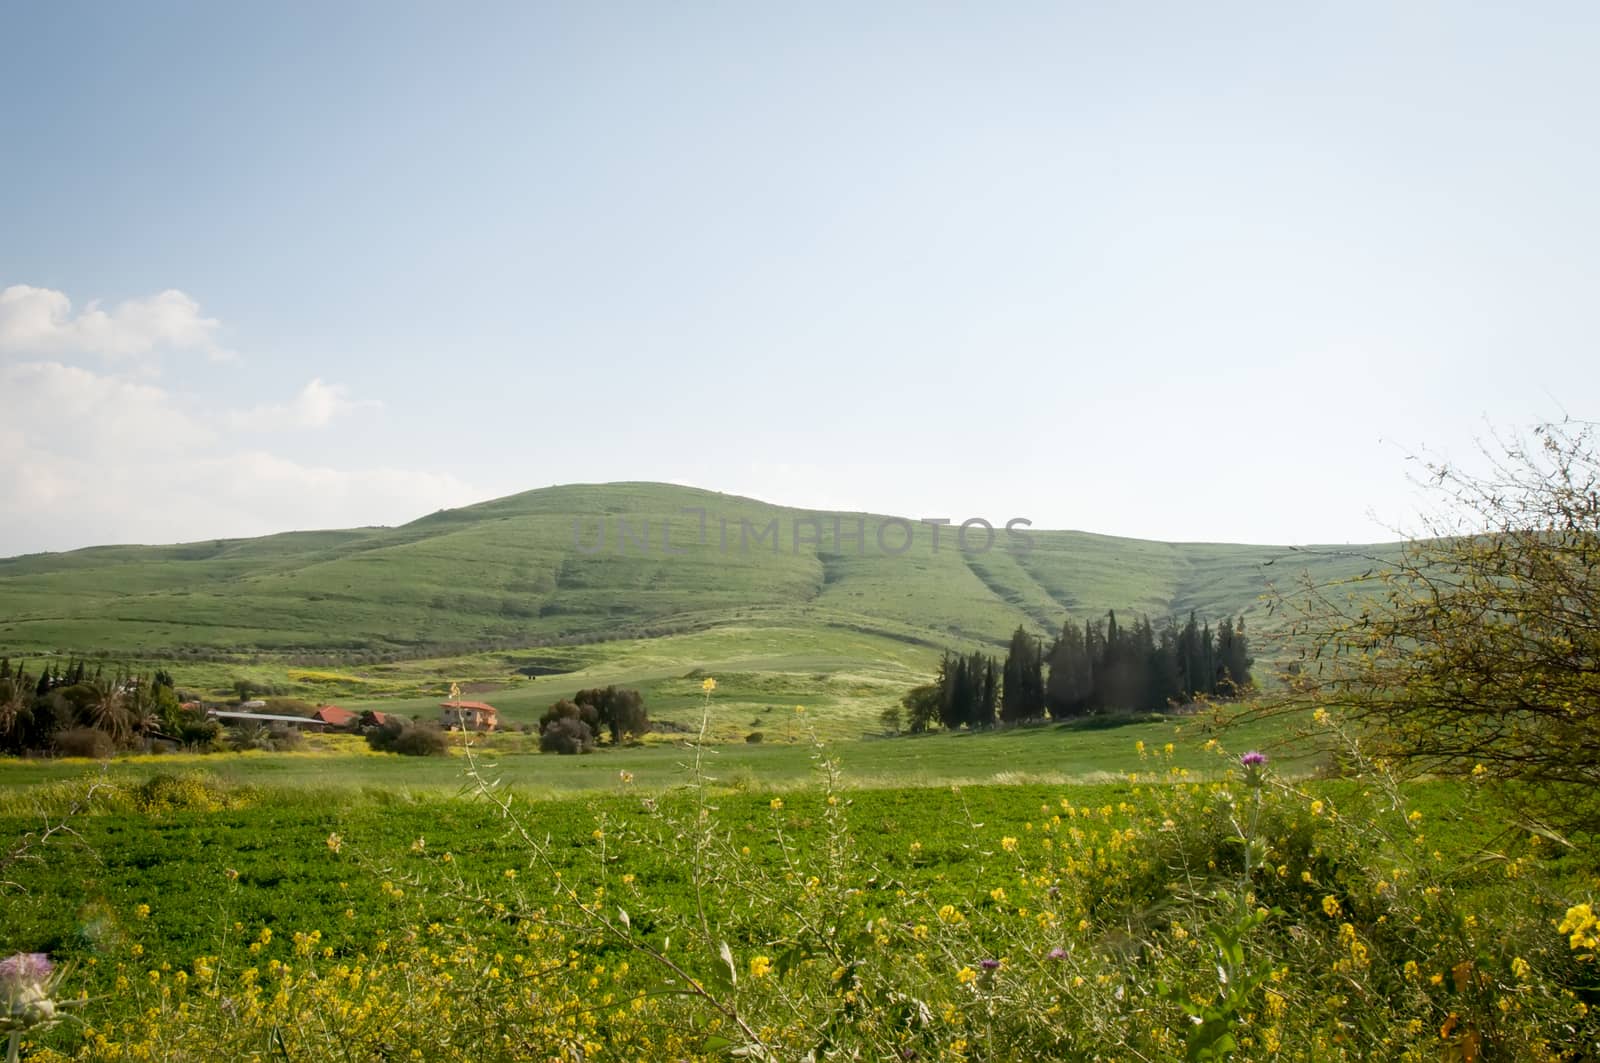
{"x": 420, "y": 740}
{"x": 84, "y": 742}
{"x": 190, "y": 791}
{"x": 1473, "y": 653}
{"x": 198, "y": 734}
{"x": 566, "y": 735}
{"x": 564, "y": 709}
{"x": 268, "y": 739}
{"x": 408, "y": 739}
{"x": 754, "y": 737}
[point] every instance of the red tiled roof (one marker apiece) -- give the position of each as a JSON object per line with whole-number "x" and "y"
{"x": 334, "y": 716}
{"x": 479, "y": 705}
{"x": 378, "y": 718}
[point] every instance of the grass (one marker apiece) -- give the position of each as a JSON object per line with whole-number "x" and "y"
{"x": 508, "y": 571}
{"x": 1058, "y": 754}
{"x": 1063, "y": 917}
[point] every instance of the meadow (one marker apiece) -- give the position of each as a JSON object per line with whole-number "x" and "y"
{"x": 1136, "y": 892}
{"x": 1057, "y": 753}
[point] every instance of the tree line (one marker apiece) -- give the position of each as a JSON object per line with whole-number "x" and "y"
{"x": 1095, "y": 667}
{"x": 73, "y": 711}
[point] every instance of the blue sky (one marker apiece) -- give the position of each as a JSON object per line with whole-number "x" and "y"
{"x": 1173, "y": 271}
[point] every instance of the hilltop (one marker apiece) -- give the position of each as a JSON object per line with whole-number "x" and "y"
{"x": 528, "y": 570}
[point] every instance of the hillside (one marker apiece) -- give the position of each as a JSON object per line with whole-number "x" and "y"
{"x": 511, "y": 573}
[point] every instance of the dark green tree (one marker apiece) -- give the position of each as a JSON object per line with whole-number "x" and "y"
{"x": 1071, "y": 682}
{"x": 1022, "y": 697}
{"x": 619, "y": 710}
{"x": 988, "y": 693}
{"x": 922, "y": 705}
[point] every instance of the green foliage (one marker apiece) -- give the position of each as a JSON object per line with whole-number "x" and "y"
{"x": 167, "y": 793}
{"x": 922, "y": 706}
{"x": 618, "y": 710}
{"x": 1477, "y": 652}
{"x": 1106, "y": 666}
{"x": 566, "y": 734}
{"x": 1022, "y": 684}
{"x": 408, "y": 739}
{"x": 84, "y": 742}
{"x": 198, "y": 733}
{"x": 968, "y": 686}
{"x": 892, "y": 719}
{"x": 264, "y": 738}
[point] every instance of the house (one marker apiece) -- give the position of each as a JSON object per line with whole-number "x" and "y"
{"x": 373, "y": 718}
{"x": 336, "y": 718}
{"x": 469, "y": 716}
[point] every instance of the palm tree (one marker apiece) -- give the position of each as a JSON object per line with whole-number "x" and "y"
{"x": 13, "y": 703}
{"x": 108, "y": 709}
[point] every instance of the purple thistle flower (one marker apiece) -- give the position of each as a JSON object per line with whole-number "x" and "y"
{"x": 1057, "y": 953}
{"x": 989, "y": 965}
{"x": 1253, "y": 759}
{"x": 24, "y": 969}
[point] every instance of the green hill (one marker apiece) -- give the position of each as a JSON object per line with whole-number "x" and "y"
{"x": 515, "y": 572}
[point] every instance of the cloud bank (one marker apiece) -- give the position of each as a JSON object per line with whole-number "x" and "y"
{"x": 105, "y": 455}
{"x": 40, "y": 321}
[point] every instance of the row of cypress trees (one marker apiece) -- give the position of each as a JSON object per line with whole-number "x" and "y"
{"x": 1093, "y": 667}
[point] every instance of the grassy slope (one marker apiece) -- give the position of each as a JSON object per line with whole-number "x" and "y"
{"x": 507, "y": 571}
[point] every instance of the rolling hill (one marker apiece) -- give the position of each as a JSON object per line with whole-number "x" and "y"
{"x": 530, "y": 570}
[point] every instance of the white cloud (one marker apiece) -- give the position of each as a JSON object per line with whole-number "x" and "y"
{"x": 87, "y": 458}
{"x": 39, "y": 322}
{"x": 316, "y": 405}
{"x": 74, "y": 411}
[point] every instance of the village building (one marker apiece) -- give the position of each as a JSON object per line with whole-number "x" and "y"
{"x": 336, "y": 718}
{"x": 469, "y": 716}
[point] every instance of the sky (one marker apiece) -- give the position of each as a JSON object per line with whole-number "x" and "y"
{"x": 1184, "y": 272}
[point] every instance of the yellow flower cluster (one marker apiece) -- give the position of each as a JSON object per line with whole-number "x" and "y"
{"x": 1582, "y": 928}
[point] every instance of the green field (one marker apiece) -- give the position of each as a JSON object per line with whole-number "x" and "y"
{"x": 1053, "y": 753}
{"x": 1068, "y": 900}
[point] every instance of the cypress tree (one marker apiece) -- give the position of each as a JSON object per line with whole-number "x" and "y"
{"x": 1022, "y": 697}
{"x": 990, "y": 694}
{"x": 1066, "y": 692}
